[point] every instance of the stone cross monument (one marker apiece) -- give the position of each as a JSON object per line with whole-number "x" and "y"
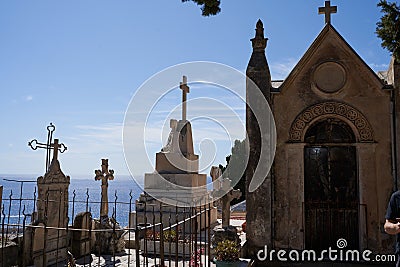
{"x": 104, "y": 175}
{"x": 176, "y": 180}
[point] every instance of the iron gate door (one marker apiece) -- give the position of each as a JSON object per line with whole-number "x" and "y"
{"x": 331, "y": 196}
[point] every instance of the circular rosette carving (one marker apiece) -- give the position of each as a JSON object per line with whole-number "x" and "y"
{"x": 334, "y": 109}
{"x": 329, "y": 77}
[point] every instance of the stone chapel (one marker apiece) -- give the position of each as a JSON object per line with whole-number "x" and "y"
{"x": 337, "y": 155}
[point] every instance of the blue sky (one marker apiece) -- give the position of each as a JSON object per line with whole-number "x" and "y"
{"x": 78, "y": 63}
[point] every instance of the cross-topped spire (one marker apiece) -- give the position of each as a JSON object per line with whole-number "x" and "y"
{"x": 327, "y": 10}
{"x": 34, "y": 144}
{"x": 185, "y": 90}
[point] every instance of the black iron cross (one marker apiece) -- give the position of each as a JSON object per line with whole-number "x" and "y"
{"x": 34, "y": 144}
{"x": 327, "y": 10}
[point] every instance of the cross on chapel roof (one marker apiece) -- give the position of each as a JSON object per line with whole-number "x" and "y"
{"x": 327, "y": 10}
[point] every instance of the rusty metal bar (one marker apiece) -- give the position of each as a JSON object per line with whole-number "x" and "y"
{"x": 20, "y": 205}
{"x": 137, "y": 245}
{"x": 9, "y": 215}
{"x": 87, "y": 199}
{"x": 184, "y": 238}
{"x": 162, "y": 260}
{"x": 73, "y": 206}
{"x": 196, "y": 228}
{"x": 154, "y": 233}
{"x": 113, "y": 234}
{"x": 198, "y": 219}
{"x": 34, "y": 203}
{"x": 114, "y": 216}
{"x": 2, "y": 235}
{"x": 176, "y": 244}
{"x": 115, "y": 204}
{"x": 137, "y": 237}
{"x": 145, "y": 235}
{"x": 98, "y": 258}
{"x": 209, "y": 235}
{"x": 23, "y": 238}
{"x": 191, "y": 226}
{"x": 129, "y": 226}
{"x": 170, "y": 243}
{"x": 87, "y": 207}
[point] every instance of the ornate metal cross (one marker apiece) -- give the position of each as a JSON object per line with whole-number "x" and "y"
{"x": 104, "y": 175}
{"x": 185, "y": 90}
{"x": 327, "y": 10}
{"x": 34, "y": 144}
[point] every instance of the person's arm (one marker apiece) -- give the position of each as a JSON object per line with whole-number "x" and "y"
{"x": 392, "y": 228}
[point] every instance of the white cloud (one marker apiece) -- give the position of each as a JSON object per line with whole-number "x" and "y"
{"x": 28, "y": 98}
{"x": 280, "y": 70}
{"x": 378, "y": 67}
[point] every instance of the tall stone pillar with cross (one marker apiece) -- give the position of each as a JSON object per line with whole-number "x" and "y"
{"x": 48, "y": 246}
{"x": 104, "y": 175}
{"x": 176, "y": 178}
{"x": 178, "y": 155}
{"x": 103, "y": 241}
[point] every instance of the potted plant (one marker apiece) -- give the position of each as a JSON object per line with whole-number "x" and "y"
{"x": 227, "y": 254}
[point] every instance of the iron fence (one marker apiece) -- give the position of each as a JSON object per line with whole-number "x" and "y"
{"x": 41, "y": 237}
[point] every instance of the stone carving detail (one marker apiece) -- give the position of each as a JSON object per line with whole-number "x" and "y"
{"x": 337, "y": 109}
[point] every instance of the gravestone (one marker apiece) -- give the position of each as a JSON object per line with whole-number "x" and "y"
{"x": 110, "y": 240}
{"x": 47, "y": 243}
{"x": 104, "y": 175}
{"x": 81, "y": 240}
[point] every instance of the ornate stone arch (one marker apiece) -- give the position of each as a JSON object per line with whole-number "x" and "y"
{"x": 354, "y": 117}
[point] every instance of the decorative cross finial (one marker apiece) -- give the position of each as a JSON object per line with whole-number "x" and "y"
{"x": 327, "y": 10}
{"x": 185, "y": 90}
{"x": 34, "y": 144}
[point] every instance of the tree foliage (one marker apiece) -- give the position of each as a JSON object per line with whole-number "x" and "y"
{"x": 235, "y": 168}
{"x": 209, "y": 7}
{"x": 388, "y": 28}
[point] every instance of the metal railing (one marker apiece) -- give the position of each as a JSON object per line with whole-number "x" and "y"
{"x": 175, "y": 241}
{"x": 185, "y": 242}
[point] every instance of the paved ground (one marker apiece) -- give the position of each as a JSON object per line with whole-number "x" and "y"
{"x": 128, "y": 259}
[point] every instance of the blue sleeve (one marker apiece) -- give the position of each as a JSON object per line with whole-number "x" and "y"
{"x": 392, "y": 210}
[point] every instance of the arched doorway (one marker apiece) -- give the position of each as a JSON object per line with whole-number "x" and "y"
{"x": 330, "y": 185}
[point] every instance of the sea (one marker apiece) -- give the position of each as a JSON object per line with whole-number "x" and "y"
{"x": 84, "y": 195}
